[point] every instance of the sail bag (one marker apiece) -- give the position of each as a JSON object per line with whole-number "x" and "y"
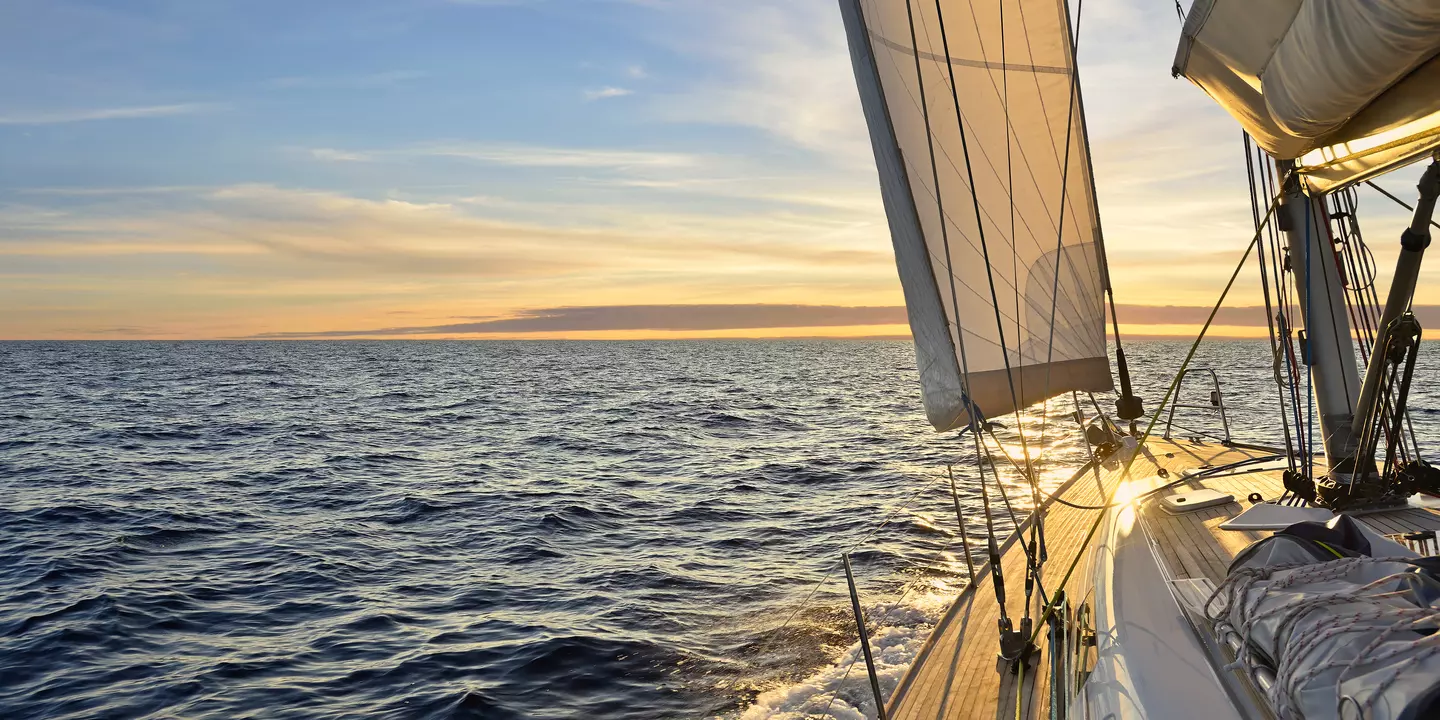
{"x": 1347, "y": 89}
{"x": 987, "y": 185}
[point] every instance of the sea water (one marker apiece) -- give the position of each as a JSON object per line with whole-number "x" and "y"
{"x": 498, "y": 529}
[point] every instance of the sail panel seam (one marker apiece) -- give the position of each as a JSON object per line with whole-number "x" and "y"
{"x": 978, "y": 64}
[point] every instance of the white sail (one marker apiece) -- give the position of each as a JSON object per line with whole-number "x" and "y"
{"x": 991, "y": 248}
{"x": 1348, "y": 89}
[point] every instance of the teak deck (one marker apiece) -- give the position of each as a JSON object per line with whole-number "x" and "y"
{"x": 956, "y": 674}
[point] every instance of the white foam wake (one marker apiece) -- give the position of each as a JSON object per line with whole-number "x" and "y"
{"x": 842, "y": 690}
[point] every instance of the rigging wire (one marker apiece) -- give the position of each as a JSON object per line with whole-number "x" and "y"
{"x": 1309, "y": 347}
{"x": 1265, "y": 287}
{"x": 1154, "y": 419}
{"x": 974, "y": 197}
{"x": 971, "y": 410}
{"x": 1284, "y": 314}
{"x": 1089, "y": 449}
{"x": 1397, "y": 200}
{"x": 1037, "y": 555}
{"x": 1365, "y": 304}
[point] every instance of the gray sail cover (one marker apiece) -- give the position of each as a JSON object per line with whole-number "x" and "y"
{"x": 1347, "y": 638}
{"x": 981, "y": 288}
{"x": 1346, "y": 88}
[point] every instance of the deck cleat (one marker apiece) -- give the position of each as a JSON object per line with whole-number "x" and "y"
{"x": 1016, "y": 650}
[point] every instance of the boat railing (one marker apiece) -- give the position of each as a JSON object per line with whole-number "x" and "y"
{"x": 1217, "y": 404}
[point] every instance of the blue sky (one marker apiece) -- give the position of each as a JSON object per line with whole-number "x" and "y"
{"x": 213, "y": 168}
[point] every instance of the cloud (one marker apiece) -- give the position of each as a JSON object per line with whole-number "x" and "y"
{"x": 111, "y": 191}
{"x": 129, "y": 331}
{"x": 531, "y": 156}
{"x": 399, "y": 238}
{"x": 389, "y": 78}
{"x": 778, "y": 67}
{"x": 115, "y": 113}
{"x": 1243, "y": 316}
{"x": 646, "y": 317}
{"x": 333, "y": 155}
{"x": 607, "y": 92}
{"x": 541, "y": 156}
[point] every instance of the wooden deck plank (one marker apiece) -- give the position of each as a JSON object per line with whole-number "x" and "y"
{"x": 983, "y": 691}
{"x": 957, "y": 676}
{"x": 979, "y": 694}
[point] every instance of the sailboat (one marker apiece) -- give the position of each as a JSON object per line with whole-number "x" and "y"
{"x": 1170, "y": 577}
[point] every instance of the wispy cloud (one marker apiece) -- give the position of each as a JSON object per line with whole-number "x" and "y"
{"x": 400, "y": 238}
{"x": 389, "y": 78}
{"x": 126, "y": 331}
{"x": 535, "y": 156}
{"x": 1242, "y": 316}
{"x": 113, "y": 113}
{"x": 539, "y": 156}
{"x": 646, "y": 317}
{"x": 112, "y": 191}
{"x": 333, "y": 155}
{"x": 782, "y": 68}
{"x": 608, "y": 91}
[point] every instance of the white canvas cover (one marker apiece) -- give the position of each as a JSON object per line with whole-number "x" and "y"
{"x": 1347, "y": 88}
{"x": 979, "y": 285}
{"x": 1346, "y": 637}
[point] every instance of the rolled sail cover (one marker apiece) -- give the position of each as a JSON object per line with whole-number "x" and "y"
{"x": 1000, "y": 252}
{"x": 1346, "y": 88}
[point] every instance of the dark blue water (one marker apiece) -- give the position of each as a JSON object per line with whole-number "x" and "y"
{"x": 480, "y": 529}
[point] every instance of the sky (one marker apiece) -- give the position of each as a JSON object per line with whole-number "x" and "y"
{"x": 183, "y": 169}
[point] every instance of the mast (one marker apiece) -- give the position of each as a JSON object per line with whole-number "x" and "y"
{"x": 1288, "y": 72}
{"x": 1328, "y": 350}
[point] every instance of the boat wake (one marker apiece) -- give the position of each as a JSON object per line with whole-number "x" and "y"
{"x": 841, "y": 690}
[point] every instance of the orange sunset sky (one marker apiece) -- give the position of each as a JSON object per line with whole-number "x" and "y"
{"x": 537, "y": 170}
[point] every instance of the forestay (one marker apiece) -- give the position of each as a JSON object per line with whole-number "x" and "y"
{"x": 1345, "y": 88}
{"x": 994, "y": 223}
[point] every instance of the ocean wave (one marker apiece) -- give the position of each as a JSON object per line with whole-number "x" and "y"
{"x": 489, "y": 529}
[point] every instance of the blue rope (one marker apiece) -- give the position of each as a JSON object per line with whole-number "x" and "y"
{"x": 1309, "y": 347}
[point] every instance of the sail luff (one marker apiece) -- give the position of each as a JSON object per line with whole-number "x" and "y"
{"x": 935, "y": 354}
